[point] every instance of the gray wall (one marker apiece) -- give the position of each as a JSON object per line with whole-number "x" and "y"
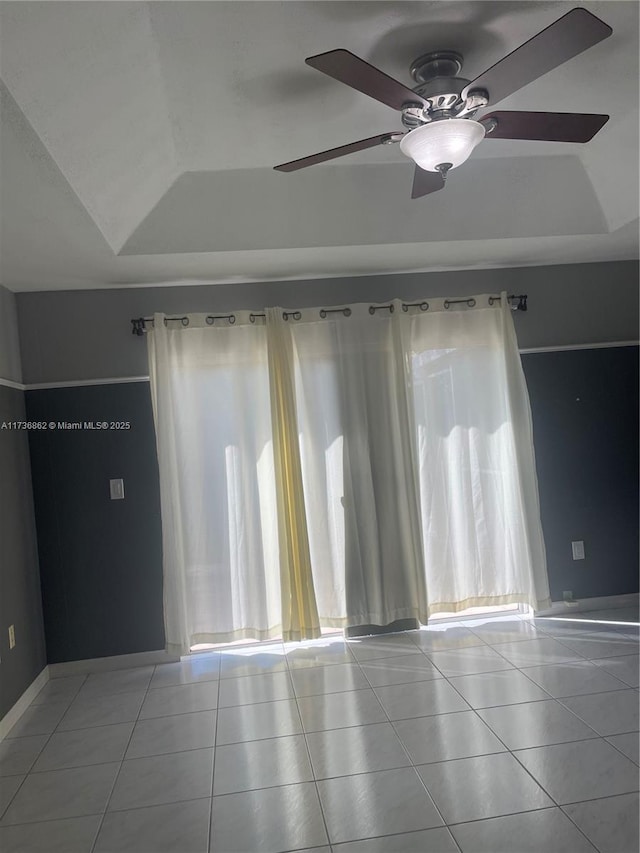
{"x": 101, "y": 560}
{"x": 20, "y": 599}
{"x": 10, "y": 367}
{"x": 585, "y": 424}
{"x": 67, "y": 335}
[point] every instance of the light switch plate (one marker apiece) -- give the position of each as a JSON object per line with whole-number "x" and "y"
{"x": 577, "y": 550}
{"x": 116, "y": 489}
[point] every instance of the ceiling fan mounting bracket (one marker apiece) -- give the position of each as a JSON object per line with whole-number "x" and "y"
{"x": 475, "y": 100}
{"x": 391, "y": 138}
{"x": 489, "y": 125}
{"x": 414, "y": 114}
{"x": 439, "y": 63}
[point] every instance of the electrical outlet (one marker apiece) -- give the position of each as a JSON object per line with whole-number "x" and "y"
{"x": 12, "y": 636}
{"x": 577, "y": 550}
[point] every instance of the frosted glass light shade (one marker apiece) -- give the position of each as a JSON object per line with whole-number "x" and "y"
{"x": 447, "y": 141}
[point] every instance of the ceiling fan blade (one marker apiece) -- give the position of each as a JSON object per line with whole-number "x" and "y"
{"x": 567, "y": 37}
{"x": 344, "y": 66}
{"x": 548, "y": 127}
{"x": 332, "y": 153}
{"x": 426, "y": 182}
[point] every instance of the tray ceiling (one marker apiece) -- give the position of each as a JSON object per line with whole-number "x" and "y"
{"x": 138, "y": 140}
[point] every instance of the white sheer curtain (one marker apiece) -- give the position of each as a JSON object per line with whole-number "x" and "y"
{"x": 359, "y": 479}
{"x": 210, "y": 392}
{"x": 482, "y": 536}
{"x": 415, "y": 455}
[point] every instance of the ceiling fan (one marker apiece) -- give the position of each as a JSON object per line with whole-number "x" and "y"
{"x": 439, "y": 113}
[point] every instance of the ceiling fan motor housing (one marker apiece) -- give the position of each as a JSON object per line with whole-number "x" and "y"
{"x": 440, "y": 90}
{"x": 442, "y": 96}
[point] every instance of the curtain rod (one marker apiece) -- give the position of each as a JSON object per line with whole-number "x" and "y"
{"x": 518, "y": 303}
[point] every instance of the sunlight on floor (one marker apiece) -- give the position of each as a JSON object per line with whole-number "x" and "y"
{"x": 474, "y": 617}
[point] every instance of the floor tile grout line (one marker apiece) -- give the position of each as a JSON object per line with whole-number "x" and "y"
{"x": 412, "y": 765}
{"x": 568, "y": 743}
{"x": 313, "y": 773}
{"x": 520, "y": 665}
{"x": 633, "y": 761}
{"x": 617, "y": 677}
{"x": 445, "y": 827}
{"x": 497, "y": 817}
{"x": 100, "y": 814}
{"x": 509, "y": 705}
{"x": 563, "y": 642}
{"x": 552, "y": 699}
{"x": 575, "y": 713}
{"x": 136, "y": 757}
{"x": 530, "y": 812}
{"x": 559, "y": 805}
{"x": 213, "y": 765}
{"x": 182, "y": 684}
{"x": 551, "y": 807}
{"x": 58, "y": 730}
{"x": 523, "y": 670}
{"x": 558, "y": 701}
{"x": 44, "y": 746}
{"x": 117, "y": 776}
{"x": 597, "y": 799}
{"x": 510, "y": 752}
{"x": 120, "y": 723}
{"x": 578, "y": 827}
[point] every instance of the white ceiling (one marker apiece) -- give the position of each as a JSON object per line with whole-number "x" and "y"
{"x": 138, "y": 140}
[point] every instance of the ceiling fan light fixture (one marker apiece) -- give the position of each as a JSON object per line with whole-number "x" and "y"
{"x": 449, "y": 141}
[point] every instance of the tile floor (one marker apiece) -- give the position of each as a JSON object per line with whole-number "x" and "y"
{"x": 504, "y": 735}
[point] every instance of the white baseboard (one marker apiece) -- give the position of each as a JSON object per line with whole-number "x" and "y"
{"x": 582, "y": 605}
{"x": 78, "y": 667}
{"x": 82, "y": 667}
{"x": 13, "y": 714}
